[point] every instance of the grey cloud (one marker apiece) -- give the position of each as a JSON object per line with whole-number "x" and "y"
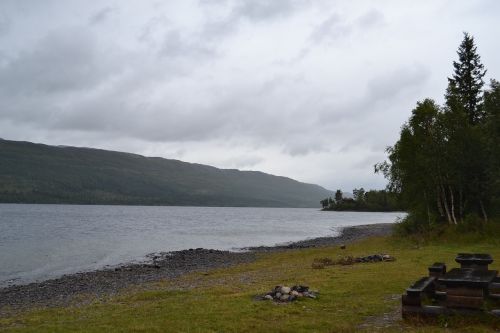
{"x": 382, "y": 88}
{"x": 175, "y": 45}
{"x": 336, "y": 26}
{"x": 303, "y": 146}
{"x": 152, "y": 26}
{"x": 4, "y": 24}
{"x": 371, "y": 19}
{"x": 383, "y": 92}
{"x": 397, "y": 81}
{"x": 263, "y": 9}
{"x": 62, "y": 61}
{"x": 101, "y": 15}
{"x": 255, "y": 11}
{"x": 243, "y": 161}
{"x": 331, "y": 28}
{"x": 216, "y": 30}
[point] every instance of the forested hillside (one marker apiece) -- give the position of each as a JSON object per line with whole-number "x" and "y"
{"x": 36, "y": 173}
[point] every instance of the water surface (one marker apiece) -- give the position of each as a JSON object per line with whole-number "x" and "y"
{"x": 38, "y": 242}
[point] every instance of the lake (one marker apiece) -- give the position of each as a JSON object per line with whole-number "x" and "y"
{"x": 39, "y": 242}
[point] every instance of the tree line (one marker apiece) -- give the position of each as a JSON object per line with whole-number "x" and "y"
{"x": 372, "y": 201}
{"x": 446, "y": 164}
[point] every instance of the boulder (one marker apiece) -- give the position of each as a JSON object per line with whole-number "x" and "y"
{"x": 300, "y": 288}
{"x": 285, "y": 290}
{"x": 284, "y": 297}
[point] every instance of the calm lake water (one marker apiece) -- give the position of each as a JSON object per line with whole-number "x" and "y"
{"x": 38, "y": 242}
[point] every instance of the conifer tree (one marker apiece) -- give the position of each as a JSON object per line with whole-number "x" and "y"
{"x": 465, "y": 86}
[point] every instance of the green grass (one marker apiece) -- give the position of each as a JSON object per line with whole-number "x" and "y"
{"x": 221, "y": 301}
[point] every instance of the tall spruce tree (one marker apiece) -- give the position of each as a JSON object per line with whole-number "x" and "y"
{"x": 465, "y": 86}
{"x": 462, "y": 120}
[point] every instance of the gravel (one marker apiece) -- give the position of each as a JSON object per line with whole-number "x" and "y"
{"x": 160, "y": 266}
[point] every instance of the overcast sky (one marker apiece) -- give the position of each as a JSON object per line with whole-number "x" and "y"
{"x": 312, "y": 90}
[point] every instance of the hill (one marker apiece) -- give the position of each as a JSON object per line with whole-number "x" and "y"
{"x": 37, "y": 173}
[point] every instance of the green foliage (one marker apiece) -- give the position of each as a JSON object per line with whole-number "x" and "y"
{"x": 371, "y": 201}
{"x": 338, "y": 196}
{"x": 445, "y": 165}
{"x": 35, "y": 173}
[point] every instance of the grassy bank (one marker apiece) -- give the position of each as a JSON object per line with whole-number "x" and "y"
{"x": 352, "y": 298}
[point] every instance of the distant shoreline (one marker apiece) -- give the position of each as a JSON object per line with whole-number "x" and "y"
{"x": 361, "y": 211}
{"x": 167, "y": 265}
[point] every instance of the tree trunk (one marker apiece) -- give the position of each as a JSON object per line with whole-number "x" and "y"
{"x": 452, "y": 205}
{"x": 461, "y": 204}
{"x": 428, "y": 209}
{"x": 445, "y": 203}
{"x": 485, "y": 216}
{"x": 439, "y": 204}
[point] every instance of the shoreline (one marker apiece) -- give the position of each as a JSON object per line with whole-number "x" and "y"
{"x": 166, "y": 265}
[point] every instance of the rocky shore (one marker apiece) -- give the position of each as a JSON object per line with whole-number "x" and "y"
{"x": 160, "y": 266}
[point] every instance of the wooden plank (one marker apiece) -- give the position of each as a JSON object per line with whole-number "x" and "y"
{"x": 424, "y": 284}
{"x": 464, "y": 291}
{"x": 464, "y": 302}
{"x": 470, "y": 278}
{"x": 411, "y": 300}
{"x": 409, "y": 311}
{"x": 434, "y": 311}
{"x": 440, "y": 295}
{"x": 478, "y": 267}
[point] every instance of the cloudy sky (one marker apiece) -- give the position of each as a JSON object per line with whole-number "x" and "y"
{"x": 313, "y": 90}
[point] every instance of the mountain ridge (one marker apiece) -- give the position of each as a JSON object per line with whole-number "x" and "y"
{"x": 39, "y": 173}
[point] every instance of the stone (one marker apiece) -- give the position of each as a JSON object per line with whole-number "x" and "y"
{"x": 268, "y": 297}
{"x": 317, "y": 265}
{"x": 277, "y": 295}
{"x": 300, "y": 289}
{"x": 284, "y": 298}
{"x": 309, "y": 294}
{"x": 294, "y": 293}
{"x": 285, "y": 290}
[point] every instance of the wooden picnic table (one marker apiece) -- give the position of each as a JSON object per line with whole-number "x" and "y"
{"x": 467, "y": 287}
{"x": 458, "y": 291}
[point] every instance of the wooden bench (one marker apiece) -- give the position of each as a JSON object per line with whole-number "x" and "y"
{"x": 414, "y": 293}
{"x": 412, "y": 300}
